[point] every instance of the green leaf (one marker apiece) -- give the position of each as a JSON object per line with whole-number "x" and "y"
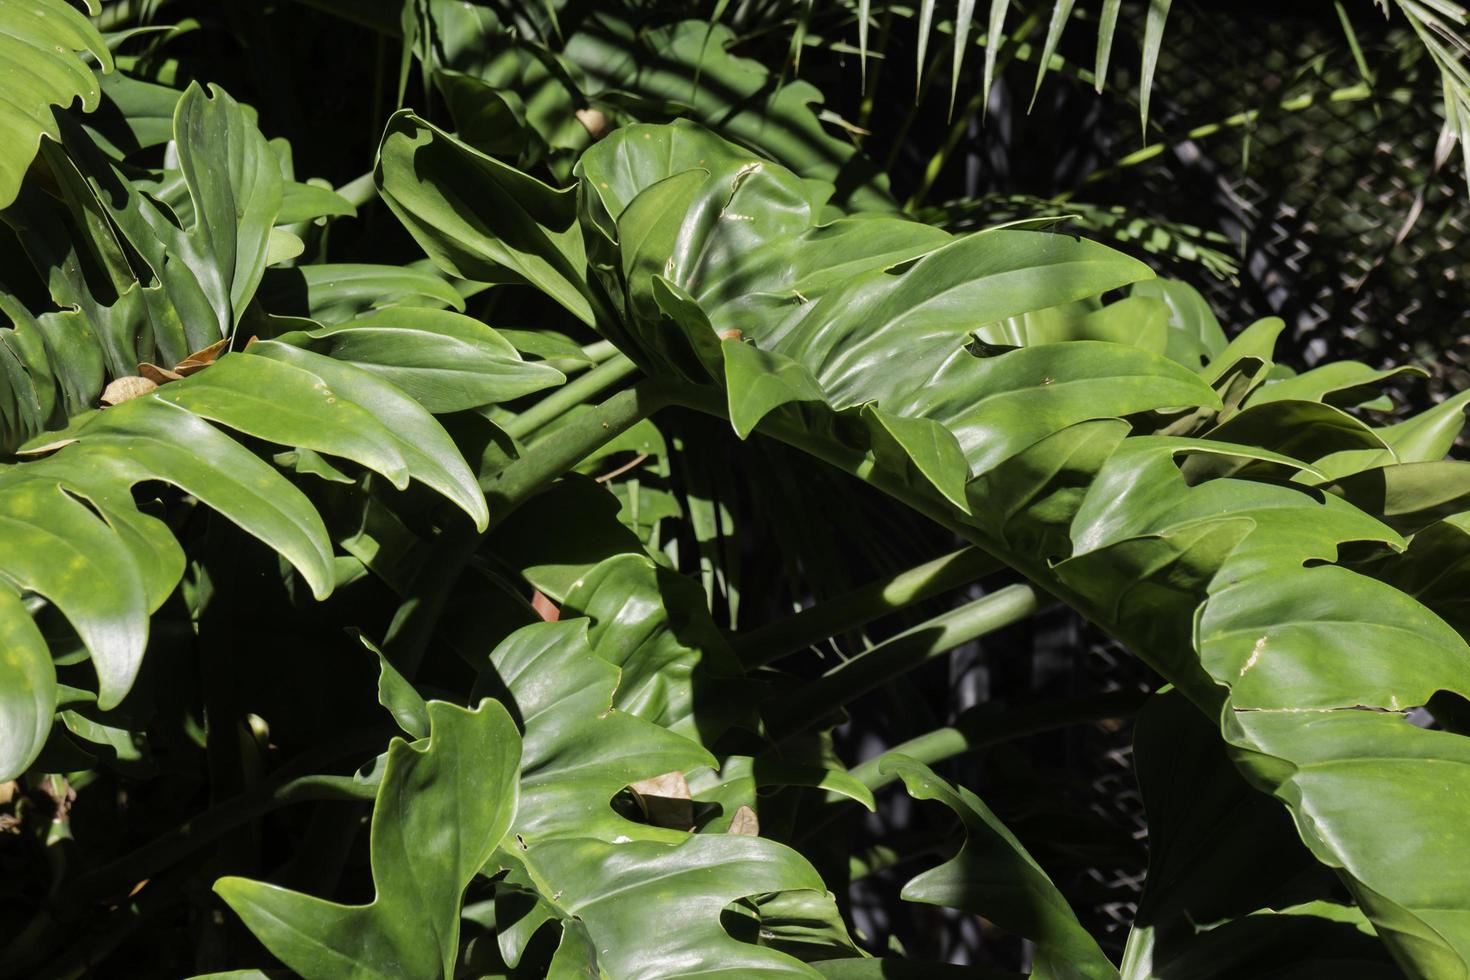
{"x": 426, "y": 451}
{"x": 1107, "y": 26}
{"x": 1344, "y": 384}
{"x": 291, "y": 406}
{"x": 1061, "y": 13}
{"x": 1196, "y": 335}
{"x": 480, "y": 219}
{"x": 690, "y": 64}
{"x": 993, "y": 876}
{"x": 53, "y": 545}
{"x": 27, "y": 687}
{"x": 1153, "y": 40}
{"x": 620, "y": 891}
{"x": 307, "y": 202}
{"x": 579, "y": 751}
{"x": 232, "y": 217}
{"x": 395, "y": 693}
{"x": 447, "y": 361}
{"x": 149, "y": 439}
{"x": 206, "y": 244}
{"x": 40, "y": 41}
{"x": 338, "y": 291}
{"x": 441, "y": 810}
{"x": 1227, "y": 872}
{"x": 676, "y": 669}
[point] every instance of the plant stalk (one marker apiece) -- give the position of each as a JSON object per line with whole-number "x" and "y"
{"x": 897, "y": 656}
{"x": 861, "y": 606}
{"x": 982, "y": 726}
{"x": 602, "y": 377}
{"x": 359, "y": 190}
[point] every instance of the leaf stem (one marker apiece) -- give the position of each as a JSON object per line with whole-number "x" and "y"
{"x": 602, "y": 377}
{"x": 982, "y": 726}
{"x": 897, "y": 656}
{"x": 861, "y": 606}
{"x": 359, "y": 190}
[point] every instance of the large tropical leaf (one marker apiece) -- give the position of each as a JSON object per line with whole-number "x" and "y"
{"x": 41, "y": 43}
{"x": 994, "y": 876}
{"x": 442, "y": 807}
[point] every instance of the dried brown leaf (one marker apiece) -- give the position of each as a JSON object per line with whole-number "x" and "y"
{"x": 594, "y": 121}
{"x": 666, "y": 800}
{"x": 158, "y": 375}
{"x": 126, "y": 389}
{"x": 201, "y": 359}
{"x": 745, "y": 822}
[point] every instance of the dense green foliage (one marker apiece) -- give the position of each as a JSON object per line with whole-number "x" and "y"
{"x": 378, "y": 610}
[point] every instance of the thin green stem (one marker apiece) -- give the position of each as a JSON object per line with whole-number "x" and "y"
{"x": 360, "y": 190}
{"x": 983, "y": 726}
{"x": 862, "y": 606}
{"x": 600, "y": 351}
{"x": 897, "y": 656}
{"x": 980, "y": 727}
{"x": 602, "y": 377}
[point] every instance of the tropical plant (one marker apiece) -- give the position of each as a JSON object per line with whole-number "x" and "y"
{"x": 406, "y": 610}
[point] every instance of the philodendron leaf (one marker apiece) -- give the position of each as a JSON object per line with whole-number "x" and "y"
{"x": 441, "y": 810}
{"x": 653, "y": 910}
{"x": 54, "y": 545}
{"x": 402, "y": 700}
{"x": 676, "y": 669}
{"x": 427, "y": 451}
{"x": 993, "y": 876}
{"x": 1228, "y": 876}
{"x": 447, "y": 361}
{"x": 479, "y": 218}
{"x": 27, "y": 687}
{"x": 579, "y": 751}
{"x": 40, "y": 46}
{"x": 334, "y": 292}
{"x": 209, "y": 252}
{"x": 232, "y": 217}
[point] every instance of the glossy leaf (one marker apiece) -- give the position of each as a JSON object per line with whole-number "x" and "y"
{"x": 579, "y": 751}
{"x": 480, "y": 219}
{"x": 993, "y": 876}
{"x": 40, "y": 41}
{"x": 421, "y": 860}
{"x": 617, "y": 890}
{"x": 27, "y": 687}
{"x": 447, "y": 361}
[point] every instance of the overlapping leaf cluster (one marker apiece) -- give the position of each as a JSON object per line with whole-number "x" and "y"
{"x": 1240, "y": 533}
{"x": 611, "y": 793}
